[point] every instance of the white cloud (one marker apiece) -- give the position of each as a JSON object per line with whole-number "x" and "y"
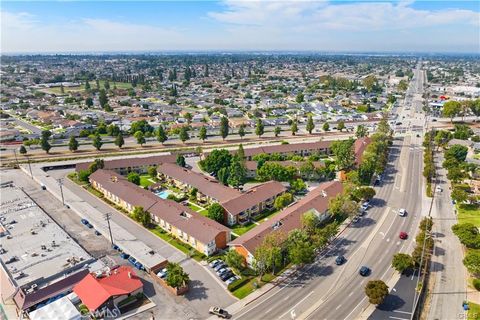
{"x": 22, "y": 32}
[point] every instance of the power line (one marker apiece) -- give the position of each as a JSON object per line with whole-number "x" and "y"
{"x": 107, "y": 217}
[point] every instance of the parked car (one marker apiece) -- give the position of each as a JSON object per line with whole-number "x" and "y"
{"x": 365, "y": 205}
{"x": 340, "y": 260}
{"x": 231, "y": 280}
{"x": 221, "y": 270}
{"x": 125, "y": 256}
{"x": 355, "y": 219}
{"x": 97, "y": 233}
{"x": 219, "y": 312}
{"x": 402, "y": 212}
{"x": 162, "y": 273}
{"x": 364, "y": 271}
{"x": 89, "y": 226}
{"x": 214, "y": 263}
{"x": 84, "y": 221}
{"x": 219, "y": 266}
{"x": 226, "y": 275}
{"x": 403, "y": 235}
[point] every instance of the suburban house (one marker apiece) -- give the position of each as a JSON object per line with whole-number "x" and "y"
{"x": 202, "y": 233}
{"x": 252, "y": 202}
{"x": 127, "y": 165}
{"x": 109, "y": 290}
{"x": 289, "y": 219}
{"x": 208, "y": 188}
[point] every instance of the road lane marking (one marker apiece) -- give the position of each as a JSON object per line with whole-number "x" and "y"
{"x": 338, "y": 307}
{"x": 353, "y": 310}
{"x": 350, "y": 294}
{"x": 286, "y": 298}
{"x": 397, "y": 318}
{"x": 268, "y": 310}
{"x": 293, "y": 308}
{"x": 398, "y": 311}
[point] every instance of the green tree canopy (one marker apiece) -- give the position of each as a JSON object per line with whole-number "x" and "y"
{"x": 134, "y": 177}
{"x": 216, "y": 212}
{"x": 376, "y": 291}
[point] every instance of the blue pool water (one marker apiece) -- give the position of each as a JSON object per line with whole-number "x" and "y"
{"x": 163, "y": 194}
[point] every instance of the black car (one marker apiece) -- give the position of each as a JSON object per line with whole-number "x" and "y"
{"x": 340, "y": 260}
{"x": 226, "y": 275}
{"x": 364, "y": 271}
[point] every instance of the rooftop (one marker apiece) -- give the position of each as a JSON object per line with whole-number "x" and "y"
{"x": 36, "y": 248}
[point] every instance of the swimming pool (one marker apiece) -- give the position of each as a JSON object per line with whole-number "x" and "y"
{"x": 163, "y": 194}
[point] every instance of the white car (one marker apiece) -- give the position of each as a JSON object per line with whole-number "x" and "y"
{"x": 163, "y": 273}
{"x": 438, "y": 189}
{"x": 231, "y": 280}
{"x": 402, "y": 212}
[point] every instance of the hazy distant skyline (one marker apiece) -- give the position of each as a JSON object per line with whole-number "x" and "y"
{"x": 347, "y": 26}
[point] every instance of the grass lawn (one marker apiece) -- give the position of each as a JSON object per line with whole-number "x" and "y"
{"x": 93, "y": 85}
{"x": 265, "y": 216}
{"x": 185, "y": 248}
{"x": 198, "y": 209}
{"x": 145, "y": 181}
{"x": 474, "y": 312}
{"x": 243, "y": 229}
{"x": 469, "y": 213}
{"x": 246, "y": 289}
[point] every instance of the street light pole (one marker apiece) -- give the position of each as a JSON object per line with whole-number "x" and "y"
{"x": 107, "y": 217}
{"x": 60, "y": 183}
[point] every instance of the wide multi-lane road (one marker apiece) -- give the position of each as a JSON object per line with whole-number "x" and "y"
{"x": 323, "y": 290}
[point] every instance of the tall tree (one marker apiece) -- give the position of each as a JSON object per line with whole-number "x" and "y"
{"x": 73, "y": 144}
{"x": 310, "y": 125}
{"x": 102, "y": 98}
{"x": 140, "y": 137}
{"x": 237, "y": 174}
{"x": 326, "y": 127}
{"x": 202, "y": 134}
{"x": 22, "y": 150}
{"x": 97, "y": 142}
{"x": 294, "y": 128}
{"x": 300, "y": 248}
{"x": 181, "y": 161}
{"x": 259, "y": 129}
{"x": 45, "y": 145}
{"x": 119, "y": 142}
{"x": 361, "y": 131}
{"x": 344, "y": 155}
{"x": 224, "y": 127}
{"x": 376, "y": 291}
{"x": 216, "y": 212}
{"x": 451, "y": 109}
{"x": 341, "y": 125}
{"x": 176, "y": 277}
{"x": 402, "y": 262}
{"x": 241, "y": 131}
{"x": 277, "y": 131}
{"x": 89, "y": 102}
{"x": 183, "y": 135}
{"x": 161, "y": 135}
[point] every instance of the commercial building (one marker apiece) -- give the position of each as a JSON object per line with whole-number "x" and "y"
{"x": 39, "y": 261}
{"x": 289, "y": 219}
{"x": 108, "y": 290}
{"x": 203, "y": 234}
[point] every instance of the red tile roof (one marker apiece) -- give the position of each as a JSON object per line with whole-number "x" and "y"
{"x": 130, "y": 162}
{"x": 359, "y": 148}
{"x": 96, "y": 291}
{"x": 290, "y": 217}
{"x": 208, "y": 186}
{"x": 253, "y": 197}
{"x": 182, "y": 217}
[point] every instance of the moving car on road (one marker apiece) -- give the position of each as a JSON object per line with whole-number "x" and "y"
{"x": 402, "y": 212}
{"x": 364, "y": 271}
{"x": 219, "y": 312}
{"x": 403, "y": 235}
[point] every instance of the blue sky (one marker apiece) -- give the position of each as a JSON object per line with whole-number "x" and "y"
{"x": 89, "y": 26}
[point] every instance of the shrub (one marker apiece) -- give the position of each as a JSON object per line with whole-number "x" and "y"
{"x": 476, "y": 284}
{"x": 237, "y": 284}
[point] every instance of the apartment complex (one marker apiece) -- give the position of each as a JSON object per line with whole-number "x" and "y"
{"x": 252, "y": 202}
{"x": 209, "y": 189}
{"x": 289, "y": 219}
{"x": 127, "y": 165}
{"x": 239, "y": 206}
{"x": 203, "y": 234}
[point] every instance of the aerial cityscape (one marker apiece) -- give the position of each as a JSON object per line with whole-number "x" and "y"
{"x": 240, "y": 160}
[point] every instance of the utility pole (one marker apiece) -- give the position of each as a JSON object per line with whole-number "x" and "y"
{"x": 16, "y": 159}
{"x": 107, "y": 217}
{"x": 60, "y": 183}
{"x": 29, "y": 167}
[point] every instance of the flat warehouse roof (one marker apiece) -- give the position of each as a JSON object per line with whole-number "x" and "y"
{"x": 35, "y": 246}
